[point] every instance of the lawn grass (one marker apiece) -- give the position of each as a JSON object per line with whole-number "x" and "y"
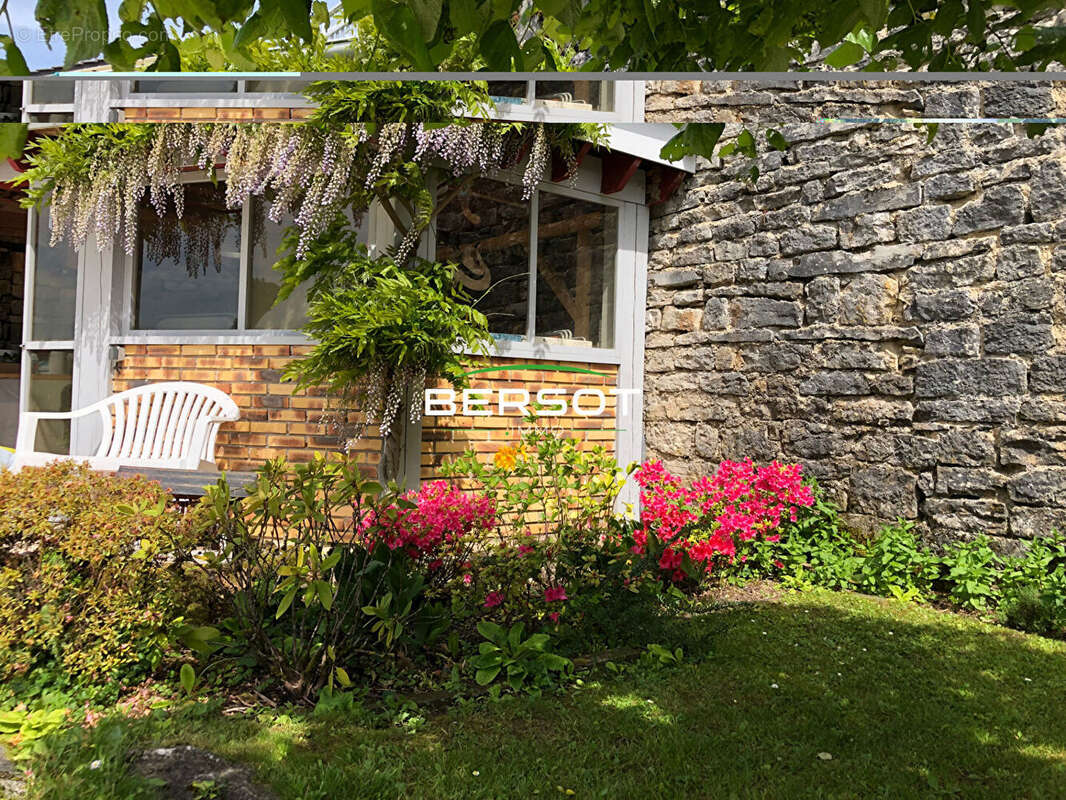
{"x": 906, "y": 701}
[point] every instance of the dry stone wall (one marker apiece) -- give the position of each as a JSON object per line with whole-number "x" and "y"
{"x": 887, "y": 311}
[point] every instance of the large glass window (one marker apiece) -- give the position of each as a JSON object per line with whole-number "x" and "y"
{"x": 55, "y": 288}
{"x": 576, "y": 245}
{"x": 265, "y": 281}
{"x": 188, "y": 270}
{"x": 195, "y": 272}
{"x": 485, "y": 227}
{"x": 51, "y": 385}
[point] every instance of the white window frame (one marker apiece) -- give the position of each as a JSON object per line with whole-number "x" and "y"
{"x": 630, "y": 252}
{"x": 240, "y": 335}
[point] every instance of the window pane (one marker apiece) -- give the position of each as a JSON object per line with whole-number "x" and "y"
{"x": 55, "y": 286}
{"x": 51, "y": 383}
{"x": 184, "y": 86}
{"x": 508, "y": 91}
{"x": 52, "y": 91}
{"x": 278, "y": 86}
{"x": 188, "y": 269}
{"x": 485, "y": 229}
{"x": 591, "y": 95}
{"x": 291, "y": 314}
{"x": 576, "y": 245}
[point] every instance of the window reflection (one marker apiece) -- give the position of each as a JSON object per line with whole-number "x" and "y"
{"x": 55, "y": 287}
{"x": 576, "y": 245}
{"x": 51, "y": 385}
{"x": 484, "y": 228}
{"x": 265, "y": 281}
{"x": 188, "y": 269}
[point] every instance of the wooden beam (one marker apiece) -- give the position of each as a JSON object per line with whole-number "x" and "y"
{"x": 669, "y": 181}
{"x": 560, "y": 227}
{"x": 618, "y": 168}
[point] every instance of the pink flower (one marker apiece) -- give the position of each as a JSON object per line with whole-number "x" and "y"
{"x": 493, "y": 599}
{"x": 554, "y": 616}
{"x": 555, "y": 594}
{"x": 468, "y": 578}
{"x": 525, "y": 549}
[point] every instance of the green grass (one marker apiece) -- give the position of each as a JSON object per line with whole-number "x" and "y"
{"x": 908, "y": 701}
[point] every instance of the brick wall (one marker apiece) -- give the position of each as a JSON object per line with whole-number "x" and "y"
{"x": 447, "y": 436}
{"x": 887, "y": 311}
{"x": 275, "y": 422}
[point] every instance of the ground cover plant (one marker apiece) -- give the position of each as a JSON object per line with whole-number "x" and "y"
{"x": 794, "y": 695}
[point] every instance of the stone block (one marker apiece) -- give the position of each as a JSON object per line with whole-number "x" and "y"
{"x": 676, "y": 278}
{"x": 869, "y": 300}
{"x": 924, "y": 223}
{"x": 760, "y": 312}
{"x": 823, "y": 300}
{"x": 833, "y": 382}
{"x": 807, "y": 239}
{"x": 883, "y": 258}
{"x": 965, "y": 447}
{"x": 863, "y": 202}
{"x": 951, "y": 272}
{"x": 968, "y": 481}
{"x": 1013, "y": 336}
{"x": 883, "y": 491}
{"x": 1048, "y": 374}
{"x": 949, "y": 186}
{"x": 1019, "y": 261}
{"x": 681, "y": 319}
{"x": 1039, "y": 486}
{"x": 1001, "y": 206}
{"x": 945, "y": 306}
{"x": 950, "y": 377}
{"x": 954, "y": 340}
{"x": 965, "y": 516}
{"x": 867, "y": 229}
{"x": 978, "y": 410}
{"x": 1031, "y": 523}
{"x": 1014, "y": 99}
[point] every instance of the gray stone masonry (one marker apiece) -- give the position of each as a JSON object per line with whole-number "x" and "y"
{"x": 889, "y": 312}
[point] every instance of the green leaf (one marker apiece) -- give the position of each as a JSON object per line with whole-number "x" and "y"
{"x": 428, "y": 14}
{"x": 325, "y": 594}
{"x": 776, "y": 139}
{"x": 484, "y": 677}
{"x": 81, "y": 24}
{"x": 499, "y": 48}
{"x": 466, "y": 16}
{"x": 187, "y": 676}
{"x": 12, "y": 63}
{"x": 694, "y": 138}
{"x": 342, "y": 677}
{"x": 491, "y": 631}
{"x": 400, "y": 26}
{"x": 286, "y": 601}
{"x": 297, "y": 15}
{"x": 844, "y": 56}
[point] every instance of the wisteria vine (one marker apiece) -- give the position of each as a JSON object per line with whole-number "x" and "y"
{"x": 95, "y": 178}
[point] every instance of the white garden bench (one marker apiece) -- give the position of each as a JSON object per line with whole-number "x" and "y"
{"x": 170, "y": 425}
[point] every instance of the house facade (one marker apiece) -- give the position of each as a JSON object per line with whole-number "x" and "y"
{"x": 560, "y": 275}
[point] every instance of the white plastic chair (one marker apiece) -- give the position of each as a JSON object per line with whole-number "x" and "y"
{"x": 170, "y": 425}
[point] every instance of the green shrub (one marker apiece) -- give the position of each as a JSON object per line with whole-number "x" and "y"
{"x": 1033, "y": 587}
{"x": 971, "y": 572}
{"x": 307, "y": 602}
{"x": 896, "y": 564}
{"x": 80, "y": 603}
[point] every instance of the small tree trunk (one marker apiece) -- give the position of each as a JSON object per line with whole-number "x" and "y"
{"x": 393, "y": 463}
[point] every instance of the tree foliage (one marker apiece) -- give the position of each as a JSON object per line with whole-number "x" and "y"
{"x": 651, "y": 35}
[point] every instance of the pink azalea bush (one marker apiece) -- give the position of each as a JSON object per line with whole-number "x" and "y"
{"x": 707, "y": 521}
{"x": 438, "y": 526}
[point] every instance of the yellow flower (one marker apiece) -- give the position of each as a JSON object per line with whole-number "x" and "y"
{"x": 505, "y": 457}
